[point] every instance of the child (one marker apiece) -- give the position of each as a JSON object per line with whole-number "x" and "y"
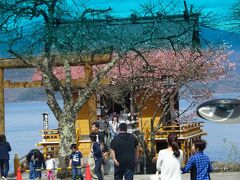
{"x": 97, "y": 154}
{"x": 76, "y": 162}
{"x": 199, "y": 161}
{"x": 50, "y": 166}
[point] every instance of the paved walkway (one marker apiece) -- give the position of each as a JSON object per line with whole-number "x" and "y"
{"x": 214, "y": 176}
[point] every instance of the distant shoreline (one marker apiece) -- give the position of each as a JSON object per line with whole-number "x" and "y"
{"x": 225, "y": 167}
{"x": 28, "y": 102}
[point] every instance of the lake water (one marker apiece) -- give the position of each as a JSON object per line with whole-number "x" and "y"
{"x": 23, "y": 125}
{"x": 24, "y": 122}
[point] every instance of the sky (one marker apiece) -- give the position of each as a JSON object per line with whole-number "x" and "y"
{"x": 222, "y": 10}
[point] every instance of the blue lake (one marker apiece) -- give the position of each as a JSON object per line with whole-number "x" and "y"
{"x": 24, "y": 122}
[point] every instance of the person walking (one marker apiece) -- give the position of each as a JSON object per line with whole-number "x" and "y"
{"x": 104, "y": 127}
{"x": 5, "y": 148}
{"x": 170, "y": 159}
{"x": 100, "y": 137}
{"x": 124, "y": 150}
{"x": 50, "y": 166}
{"x": 113, "y": 126}
{"x": 76, "y": 162}
{"x": 199, "y": 163}
{"x": 97, "y": 154}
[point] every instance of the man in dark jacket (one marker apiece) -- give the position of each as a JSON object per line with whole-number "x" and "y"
{"x": 97, "y": 154}
{"x": 124, "y": 149}
{"x": 4, "y": 156}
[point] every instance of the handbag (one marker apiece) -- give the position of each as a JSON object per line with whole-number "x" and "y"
{"x": 155, "y": 176}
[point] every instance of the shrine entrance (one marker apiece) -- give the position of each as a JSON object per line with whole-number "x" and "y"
{"x": 13, "y": 63}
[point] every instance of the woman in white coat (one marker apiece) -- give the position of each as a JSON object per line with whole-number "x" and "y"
{"x": 169, "y": 160}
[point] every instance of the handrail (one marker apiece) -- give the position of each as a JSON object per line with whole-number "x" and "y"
{"x": 27, "y": 154}
{"x": 22, "y": 162}
{"x": 180, "y": 128}
{"x": 49, "y": 130}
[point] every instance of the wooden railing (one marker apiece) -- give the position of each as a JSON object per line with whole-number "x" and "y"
{"x": 184, "y": 130}
{"x": 53, "y": 149}
{"x": 50, "y": 135}
{"x": 22, "y": 162}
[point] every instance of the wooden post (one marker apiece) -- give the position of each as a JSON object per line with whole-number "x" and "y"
{"x": 92, "y": 109}
{"x": 2, "y": 120}
{"x": 88, "y": 73}
{"x": 16, "y": 163}
{"x": 92, "y": 104}
{"x": 45, "y": 151}
{"x": 186, "y": 150}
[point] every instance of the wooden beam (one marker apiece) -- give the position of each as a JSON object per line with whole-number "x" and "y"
{"x": 39, "y": 84}
{"x": 2, "y": 118}
{"x": 76, "y": 83}
{"x": 74, "y": 60}
{"x": 9, "y": 84}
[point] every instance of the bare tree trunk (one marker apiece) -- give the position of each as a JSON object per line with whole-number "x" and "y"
{"x": 150, "y": 166}
{"x": 67, "y": 137}
{"x": 152, "y": 140}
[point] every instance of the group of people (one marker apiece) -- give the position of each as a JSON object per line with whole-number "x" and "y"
{"x": 34, "y": 158}
{"x": 99, "y": 151}
{"x": 36, "y": 162}
{"x": 123, "y": 149}
{"x": 169, "y": 161}
{"x": 108, "y": 129}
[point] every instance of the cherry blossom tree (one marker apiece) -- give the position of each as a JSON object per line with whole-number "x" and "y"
{"x": 167, "y": 76}
{"x": 46, "y": 34}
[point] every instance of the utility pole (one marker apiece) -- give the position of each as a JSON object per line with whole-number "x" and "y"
{"x": 185, "y": 12}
